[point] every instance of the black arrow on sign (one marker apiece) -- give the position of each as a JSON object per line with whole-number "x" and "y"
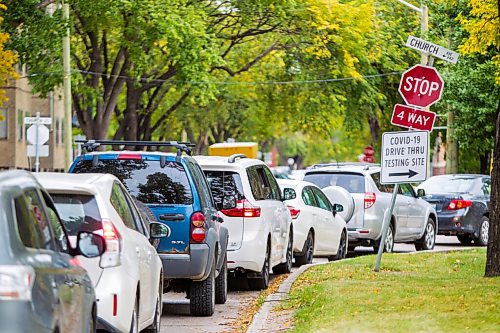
{"x": 410, "y": 174}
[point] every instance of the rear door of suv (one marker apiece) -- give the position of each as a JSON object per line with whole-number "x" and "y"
{"x": 222, "y": 184}
{"x": 354, "y": 183}
{"x": 160, "y": 182}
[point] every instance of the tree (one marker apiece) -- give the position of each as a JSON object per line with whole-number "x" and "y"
{"x": 7, "y": 60}
{"x": 483, "y": 27}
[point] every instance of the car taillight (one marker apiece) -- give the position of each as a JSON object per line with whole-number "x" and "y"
{"x": 128, "y": 156}
{"x": 112, "y": 256}
{"x": 370, "y": 199}
{"x": 243, "y": 209}
{"x": 198, "y": 231}
{"x": 456, "y": 204}
{"x": 294, "y": 212}
{"x": 16, "y": 282}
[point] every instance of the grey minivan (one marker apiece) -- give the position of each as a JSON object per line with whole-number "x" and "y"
{"x": 42, "y": 286}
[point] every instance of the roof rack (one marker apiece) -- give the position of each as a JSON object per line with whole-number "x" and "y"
{"x": 91, "y": 145}
{"x": 339, "y": 164}
{"x": 234, "y": 157}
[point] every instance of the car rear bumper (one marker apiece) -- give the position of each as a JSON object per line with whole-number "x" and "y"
{"x": 455, "y": 225}
{"x": 191, "y": 266}
{"x": 251, "y": 254}
{"x": 125, "y": 288}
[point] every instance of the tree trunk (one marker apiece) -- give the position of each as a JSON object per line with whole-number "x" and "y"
{"x": 451, "y": 145}
{"x": 493, "y": 252}
{"x": 484, "y": 163}
{"x": 374, "y": 129}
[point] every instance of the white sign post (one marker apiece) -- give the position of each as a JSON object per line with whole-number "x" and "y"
{"x": 37, "y": 134}
{"x": 404, "y": 157}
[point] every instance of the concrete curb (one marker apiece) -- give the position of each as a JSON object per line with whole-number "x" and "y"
{"x": 259, "y": 321}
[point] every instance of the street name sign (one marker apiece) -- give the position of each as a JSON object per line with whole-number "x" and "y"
{"x": 421, "y": 86}
{"x": 404, "y": 157}
{"x": 413, "y": 118}
{"x": 37, "y": 120}
{"x": 433, "y": 49}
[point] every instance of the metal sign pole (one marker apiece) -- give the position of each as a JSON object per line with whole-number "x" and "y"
{"x": 385, "y": 227}
{"x": 37, "y": 153}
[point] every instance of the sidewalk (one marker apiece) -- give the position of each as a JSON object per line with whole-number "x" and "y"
{"x": 267, "y": 319}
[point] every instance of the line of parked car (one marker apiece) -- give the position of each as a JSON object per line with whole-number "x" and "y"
{"x": 98, "y": 247}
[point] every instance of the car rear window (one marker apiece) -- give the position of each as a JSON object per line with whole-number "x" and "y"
{"x": 224, "y": 183}
{"x": 78, "y": 212}
{"x": 352, "y": 182}
{"x": 146, "y": 180}
{"x": 448, "y": 184}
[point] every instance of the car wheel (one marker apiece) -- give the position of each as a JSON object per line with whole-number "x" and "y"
{"x": 342, "y": 250}
{"x": 307, "y": 257}
{"x": 482, "y": 239}
{"x": 155, "y": 327}
{"x": 286, "y": 267}
{"x": 465, "y": 239}
{"x": 202, "y": 295}
{"x": 134, "y": 323}
{"x": 221, "y": 284}
{"x": 262, "y": 280}
{"x": 428, "y": 239}
{"x": 389, "y": 241}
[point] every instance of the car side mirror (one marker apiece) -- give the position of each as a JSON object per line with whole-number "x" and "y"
{"x": 420, "y": 193}
{"x": 90, "y": 245}
{"x": 289, "y": 194}
{"x": 337, "y": 208}
{"x": 158, "y": 230}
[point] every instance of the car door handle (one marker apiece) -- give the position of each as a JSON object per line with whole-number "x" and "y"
{"x": 172, "y": 217}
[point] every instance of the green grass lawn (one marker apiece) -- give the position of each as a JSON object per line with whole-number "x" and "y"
{"x": 426, "y": 292}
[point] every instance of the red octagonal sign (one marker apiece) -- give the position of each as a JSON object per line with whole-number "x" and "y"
{"x": 421, "y": 86}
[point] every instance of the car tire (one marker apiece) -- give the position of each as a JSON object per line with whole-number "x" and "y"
{"x": 261, "y": 281}
{"x": 465, "y": 239}
{"x": 428, "y": 240}
{"x": 286, "y": 267}
{"x": 221, "y": 283}
{"x": 342, "y": 250}
{"x": 155, "y": 327}
{"x": 307, "y": 256}
{"x": 389, "y": 241}
{"x": 134, "y": 322}
{"x": 93, "y": 321}
{"x": 482, "y": 239}
{"x": 202, "y": 295}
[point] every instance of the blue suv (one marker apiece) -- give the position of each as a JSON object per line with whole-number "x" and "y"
{"x": 174, "y": 187}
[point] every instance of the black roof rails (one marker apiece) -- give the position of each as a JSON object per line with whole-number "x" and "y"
{"x": 91, "y": 145}
{"x": 234, "y": 157}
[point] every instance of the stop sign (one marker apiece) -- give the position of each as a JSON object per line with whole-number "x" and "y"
{"x": 421, "y": 86}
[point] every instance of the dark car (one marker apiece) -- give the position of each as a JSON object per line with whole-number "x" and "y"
{"x": 462, "y": 202}
{"x": 173, "y": 186}
{"x": 42, "y": 286}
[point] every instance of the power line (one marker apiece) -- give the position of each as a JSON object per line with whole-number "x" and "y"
{"x": 144, "y": 80}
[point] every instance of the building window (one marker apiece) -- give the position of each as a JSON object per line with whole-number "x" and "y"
{"x": 21, "y": 128}
{"x": 57, "y": 131}
{"x": 4, "y": 124}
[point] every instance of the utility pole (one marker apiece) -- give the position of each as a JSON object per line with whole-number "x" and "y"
{"x": 68, "y": 135}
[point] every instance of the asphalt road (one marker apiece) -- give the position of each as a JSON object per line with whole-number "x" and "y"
{"x": 176, "y": 316}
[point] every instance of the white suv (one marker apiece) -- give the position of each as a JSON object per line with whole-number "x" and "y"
{"x": 413, "y": 219}
{"x": 260, "y": 227}
{"x": 128, "y": 277}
